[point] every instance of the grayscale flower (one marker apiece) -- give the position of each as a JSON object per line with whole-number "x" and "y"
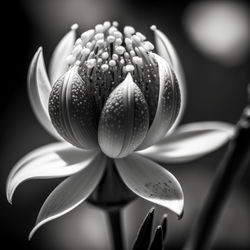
{"x": 110, "y": 96}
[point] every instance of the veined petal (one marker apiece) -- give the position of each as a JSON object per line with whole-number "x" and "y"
{"x": 124, "y": 120}
{"x": 152, "y": 182}
{"x": 58, "y": 62}
{"x": 39, "y": 89}
{"x": 190, "y": 141}
{"x": 50, "y": 161}
{"x": 166, "y": 50}
{"x": 71, "y": 192}
{"x": 168, "y": 104}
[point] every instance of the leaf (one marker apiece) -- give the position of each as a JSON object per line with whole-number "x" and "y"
{"x": 124, "y": 120}
{"x": 71, "y": 192}
{"x": 157, "y": 242}
{"x": 152, "y": 182}
{"x": 143, "y": 237}
{"x": 39, "y": 90}
{"x": 58, "y": 62}
{"x": 190, "y": 142}
{"x": 168, "y": 104}
{"x": 166, "y": 50}
{"x": 50, "y": 161}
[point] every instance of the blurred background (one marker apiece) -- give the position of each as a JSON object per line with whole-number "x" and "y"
{"x": 212, "y": 39}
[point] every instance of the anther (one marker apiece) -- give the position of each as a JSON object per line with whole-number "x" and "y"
{"x": 112, "y": 63}
{"x": 99, "y": 28}
{"x": 120, "y": 50}
{"x": 74, "y": 26}
{"x": 129, "y": 31}
{"x": 91, "y": 63}
{"x": 110, "y": 39}
{"x": 87, "y": 35}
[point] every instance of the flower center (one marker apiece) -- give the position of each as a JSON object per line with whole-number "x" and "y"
{"x": 105, "y": 56}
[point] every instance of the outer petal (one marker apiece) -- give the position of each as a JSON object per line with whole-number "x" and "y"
{"x": 58, "y": 63}
{"x": 166, "y": 50}
{"x": 39, "y": 89}
{"x": 190, "y": 142}
{"x": 54, "y": 160}
{"x": 71, "y": 192}
{"x": 124, "y": 120}
{"x": 168, "y": 104}
{"x": 150, "y": 181}
{"x": 73, "y": 111}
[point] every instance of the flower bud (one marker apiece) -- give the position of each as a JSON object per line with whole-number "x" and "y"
{"x": 116, "y": 95}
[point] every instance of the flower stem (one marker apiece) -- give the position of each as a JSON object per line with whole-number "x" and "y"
{"x": 232, "y": 166}
{"x": 116, "y": 230}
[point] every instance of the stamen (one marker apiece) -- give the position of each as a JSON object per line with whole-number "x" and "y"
{"x": 110, "y": 39}
{"x": 128, "y": 31}
{"x": 115, "y": 23}
{"x": 112, "y": 63}
{"x": 105, "y": 55}
{"x": 91, "y": 63}
{"x": 74, "y": 26}
{"x": 99, "y": 28}
{"x": 105, "y": 67}
{"x": 120, "y": 50}
{"x": 87, "y": 35}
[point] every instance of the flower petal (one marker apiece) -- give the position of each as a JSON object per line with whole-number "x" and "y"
{"x": 39, "y": 89}
{"x": 168, "y": 104}
{"x": 54, "y": 160}
{"x": 190, "y": 142}
{"x": 152, "y": 182}
{"x": 71, "y": 192}
{"x": 58, "y": 62}
{"x": 72, "y": 110}
{"x": 124, "y": 120}
{"x": 166, "y": 50}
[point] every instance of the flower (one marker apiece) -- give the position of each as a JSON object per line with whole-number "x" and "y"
{"x": 110, "y": 97}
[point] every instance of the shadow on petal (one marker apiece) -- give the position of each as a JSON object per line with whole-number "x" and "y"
{"x": 150, "y": 181}
{"x": 190, "y": 142}
{"x": 71, "y": 192}
{"x": 51, "y": 161}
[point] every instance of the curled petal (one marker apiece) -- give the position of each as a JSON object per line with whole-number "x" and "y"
{"x": 39, "y": 89}
{"x": 168, "y": 104}
{"x": 73, "y": 111}
{"x": 71, "y": 192}
{"x": 58, "y": 62}
{"x": 190, "y": 142}
{"x": 50, "y": 161}
{"x": 166, "y": 50}
{"x": 150, "y": 181}
{"x": 124, "y": 120}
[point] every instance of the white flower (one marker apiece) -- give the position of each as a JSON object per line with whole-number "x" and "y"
{"x": 110, "y": 96}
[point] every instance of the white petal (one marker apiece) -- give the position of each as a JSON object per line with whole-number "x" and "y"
{"x": 168, "y": 104}
{"x": 190, "y": 142}
{"x": 54, "y": 160}
{"x": 124, "y": 120}
{"x": 166, "y": 50}
{"x": 39, "y": 90}
{"x": 58, "y": 62}
{"x": 71, "y": 192}
{"x": 152, "y": 182}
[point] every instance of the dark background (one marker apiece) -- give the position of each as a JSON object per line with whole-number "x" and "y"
{"x": 216, "y": 91}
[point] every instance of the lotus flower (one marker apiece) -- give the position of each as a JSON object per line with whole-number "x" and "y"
{"x": 111, "y": 98}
